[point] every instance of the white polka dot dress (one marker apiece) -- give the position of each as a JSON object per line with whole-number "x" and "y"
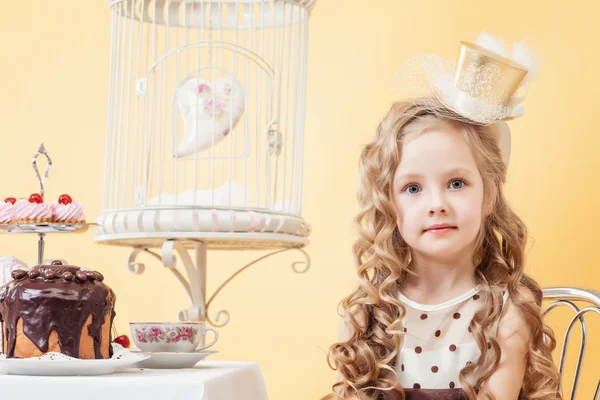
{"x": 438, "y": 343}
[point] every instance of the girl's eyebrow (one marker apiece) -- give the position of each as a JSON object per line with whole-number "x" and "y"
{"x": 452, "y": 171}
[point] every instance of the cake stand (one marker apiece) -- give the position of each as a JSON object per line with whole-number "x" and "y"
{"x": 43, "y": 228}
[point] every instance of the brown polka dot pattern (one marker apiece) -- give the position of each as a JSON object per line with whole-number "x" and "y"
{"x": 420, "y": 340}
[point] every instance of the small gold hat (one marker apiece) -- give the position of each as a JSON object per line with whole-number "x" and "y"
{"x": 480, "y": 86}
{"x": 488, "y": 79}
{"x": 473, "y": 59}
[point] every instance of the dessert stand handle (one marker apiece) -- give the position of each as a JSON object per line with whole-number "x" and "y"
{"x": 41, "y": 244}
{"x": 42, "y": 179}
{"x": 41, "y": 151}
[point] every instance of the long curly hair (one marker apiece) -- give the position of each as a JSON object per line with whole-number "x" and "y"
{"x": 366, "y": 361}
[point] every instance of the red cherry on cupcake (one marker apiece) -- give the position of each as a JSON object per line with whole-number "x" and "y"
{"x": 123, "y": 340}
{"x": 65, "y": 199}
{"x": 36, "y": 198}
{"x": 10, "y": 200}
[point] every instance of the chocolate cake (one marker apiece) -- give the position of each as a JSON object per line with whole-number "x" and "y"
{"x": 58, "y": 308}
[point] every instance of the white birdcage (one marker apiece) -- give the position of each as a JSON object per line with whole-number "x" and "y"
{"x": 206, "y": 123}
{"x": 205, "y": 131}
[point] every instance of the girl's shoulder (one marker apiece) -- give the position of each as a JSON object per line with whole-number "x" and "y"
{"x": 513, "y": 323}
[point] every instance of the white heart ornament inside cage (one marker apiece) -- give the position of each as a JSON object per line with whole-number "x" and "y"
{"x": 210, "y": 110}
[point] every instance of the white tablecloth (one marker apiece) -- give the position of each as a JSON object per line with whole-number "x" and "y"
{"x": 208, "y": 380}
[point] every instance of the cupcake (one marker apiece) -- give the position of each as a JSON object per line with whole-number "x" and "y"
{"x": 65, "y": 210}
{"x": 33, "y": 210}
{"x": 6, "y": 210}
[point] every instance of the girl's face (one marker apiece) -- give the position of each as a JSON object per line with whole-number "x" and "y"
{"x": 437, "y": 182}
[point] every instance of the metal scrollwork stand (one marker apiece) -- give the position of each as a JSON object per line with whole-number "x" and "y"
{"x": 195, "y": 272}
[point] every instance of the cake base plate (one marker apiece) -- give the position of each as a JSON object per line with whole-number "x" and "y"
{"x": 49, "y": 367}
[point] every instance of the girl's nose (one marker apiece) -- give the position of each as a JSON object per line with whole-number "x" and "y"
{"x": 438, "y": 210}
{"x": 438, "y": 204}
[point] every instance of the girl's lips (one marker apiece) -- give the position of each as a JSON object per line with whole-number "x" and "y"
{"x": 441, "y": 230}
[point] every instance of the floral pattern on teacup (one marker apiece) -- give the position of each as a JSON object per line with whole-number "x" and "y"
{"x": 156, "y": 334}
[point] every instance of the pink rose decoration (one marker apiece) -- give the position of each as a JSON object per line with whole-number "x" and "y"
{"x": 204, "y": 89}
{"x": 218, "y": 106}
{"x": 140, "y": 336}
{"x": 155, "y": 331}
{"x": 185, "y": 333}
{"x": 173, "y": 337}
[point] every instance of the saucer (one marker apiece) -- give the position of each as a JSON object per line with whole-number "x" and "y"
{"x": 165, "y": 360}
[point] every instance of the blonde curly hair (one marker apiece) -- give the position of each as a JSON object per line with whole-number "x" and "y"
{"x": 365, "y": 361}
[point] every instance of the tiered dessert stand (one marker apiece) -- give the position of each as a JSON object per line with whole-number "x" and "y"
{"x": 205, "y": 135}
{"x": 55, "y": 364}
{"x": 42, "y": 229}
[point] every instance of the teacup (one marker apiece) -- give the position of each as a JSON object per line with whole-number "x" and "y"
{"x": 173, "y": 337}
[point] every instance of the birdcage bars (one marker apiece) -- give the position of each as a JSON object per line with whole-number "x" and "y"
{"x": 205, "y": 134}
{"x": 234, "y": 181}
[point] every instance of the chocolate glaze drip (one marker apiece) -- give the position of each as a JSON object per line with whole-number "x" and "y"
{"x": 56, "y": 297}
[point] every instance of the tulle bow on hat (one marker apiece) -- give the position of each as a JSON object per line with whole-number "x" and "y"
{"x": 479, "y": 87}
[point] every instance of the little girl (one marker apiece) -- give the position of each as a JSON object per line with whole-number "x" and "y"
{"x": 443, "y": 309}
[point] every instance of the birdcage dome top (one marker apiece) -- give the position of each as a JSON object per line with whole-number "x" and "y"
{"x": 308, "y": 4}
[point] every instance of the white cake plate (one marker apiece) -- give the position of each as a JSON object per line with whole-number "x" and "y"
{"x": 57, "y": 367}
{"x": 164, "y": 360}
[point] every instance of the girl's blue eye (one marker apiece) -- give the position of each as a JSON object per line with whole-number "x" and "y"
{"x": 408, "y": 187}
{"x": 460, "y": 180}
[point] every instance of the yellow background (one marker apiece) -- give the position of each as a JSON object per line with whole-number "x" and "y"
{"x": 54, "y": 86}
